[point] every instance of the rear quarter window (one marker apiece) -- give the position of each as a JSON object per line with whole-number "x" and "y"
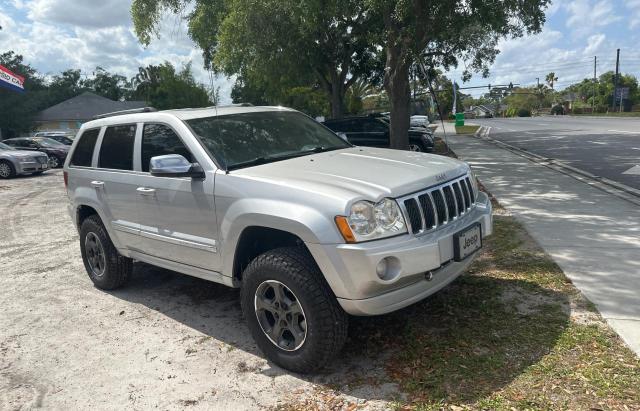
{"x": 116, "y": 150}
{"x": 83, "y": 152}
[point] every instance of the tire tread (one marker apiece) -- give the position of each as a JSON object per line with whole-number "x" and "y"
{"x": 300, "y": 267}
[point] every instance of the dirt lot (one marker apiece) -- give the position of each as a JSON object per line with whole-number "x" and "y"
{"x": 165, "y": 341}
{"x": 512, "y": 334}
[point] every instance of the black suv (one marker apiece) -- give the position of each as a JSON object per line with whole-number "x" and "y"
{"x": 373, "y": 131}
{"x": 56, "y": 151}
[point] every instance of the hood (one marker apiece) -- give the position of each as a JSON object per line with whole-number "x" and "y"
{"x": 22, "y": 153}
{"x": 359, "y": 172}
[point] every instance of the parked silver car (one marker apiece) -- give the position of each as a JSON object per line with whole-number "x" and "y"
{"x": 309, "y": 227}
{"x": 16, "y": 162}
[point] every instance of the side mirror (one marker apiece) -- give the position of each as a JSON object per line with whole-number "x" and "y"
{"x": 174, "y": 165}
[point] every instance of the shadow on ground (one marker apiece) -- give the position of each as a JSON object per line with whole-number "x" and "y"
{"x": 463, "y": 343}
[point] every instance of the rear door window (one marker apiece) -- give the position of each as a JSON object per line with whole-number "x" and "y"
{"x": 116, "y": 151}
{"x": 373, "y": 126}
{"x": 83, "y": 152}
{"x": 159, "y": 140}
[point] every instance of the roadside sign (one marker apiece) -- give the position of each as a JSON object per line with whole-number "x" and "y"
{"x": 11, "y": 80}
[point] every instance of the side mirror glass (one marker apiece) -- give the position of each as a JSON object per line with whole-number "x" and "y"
{"x": 174, "y": 165}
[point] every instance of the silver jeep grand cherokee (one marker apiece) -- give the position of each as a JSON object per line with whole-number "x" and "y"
{"x": 308, "y": 226}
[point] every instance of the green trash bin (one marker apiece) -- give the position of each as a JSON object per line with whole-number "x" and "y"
{"x": 459, "y": 119}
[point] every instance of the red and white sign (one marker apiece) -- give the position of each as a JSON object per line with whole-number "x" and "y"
{"x": 11, "y": 80}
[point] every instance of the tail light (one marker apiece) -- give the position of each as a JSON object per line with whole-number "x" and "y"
{"x": 66, "y": 179}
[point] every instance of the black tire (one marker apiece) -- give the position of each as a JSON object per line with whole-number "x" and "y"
{"x": 8, "y": 171}
{"x": 417, "y": 146}
{"x": 37, "y": 173}
{"x": 325, "y": 323}
{"x": 113, "y": 270}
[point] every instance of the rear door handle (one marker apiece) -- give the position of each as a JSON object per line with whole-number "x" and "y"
{"x": 146, "y": 191}
{"x": 98, "y": 184}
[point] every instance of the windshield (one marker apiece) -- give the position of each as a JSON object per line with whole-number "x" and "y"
{"x": 3, "y": 146}
{"x": 243, "y": 140}
{"x": 48, "y": 142}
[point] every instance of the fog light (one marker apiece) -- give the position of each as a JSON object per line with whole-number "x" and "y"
{"x": 381, "y": 268}
{"x": 388, "y": 268}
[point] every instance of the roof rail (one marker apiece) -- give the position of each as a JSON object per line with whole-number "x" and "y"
{"x": 232, "y": 105}
{"x": 123, "y": 112}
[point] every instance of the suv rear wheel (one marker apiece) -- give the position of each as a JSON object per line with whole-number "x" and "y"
{"x": 106, "y": 267}
{"x": 293, "y": 316}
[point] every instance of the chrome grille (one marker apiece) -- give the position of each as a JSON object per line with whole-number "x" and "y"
{"x": 436, "y": 206}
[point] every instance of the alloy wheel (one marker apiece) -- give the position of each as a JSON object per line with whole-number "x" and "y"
{"x": 280, "y": 315}
{"x": 95, "y": 254}
{"x": 414, "y": 147}
{"x": 5, "y": 170}
{"x": 54, "y": 162}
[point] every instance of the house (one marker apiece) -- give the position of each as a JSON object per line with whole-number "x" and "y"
{"x": 480, "y": 111}
{"x": 71, "y": 114}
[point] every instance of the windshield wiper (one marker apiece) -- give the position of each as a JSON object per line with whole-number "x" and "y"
{"x": 270, "y": 159}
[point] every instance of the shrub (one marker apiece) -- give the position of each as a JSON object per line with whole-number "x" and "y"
{"x": 524, "y": 112}
{"x": 578, "y": 110}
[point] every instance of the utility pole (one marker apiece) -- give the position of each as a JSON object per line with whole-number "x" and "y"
{"x": 539, "y": 93}
{"x": 615, "y": 88}
{"x": 595, "y": 79}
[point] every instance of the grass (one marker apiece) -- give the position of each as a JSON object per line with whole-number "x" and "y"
{"x": 466, "y": 129}
{"x": 511, "y": 334}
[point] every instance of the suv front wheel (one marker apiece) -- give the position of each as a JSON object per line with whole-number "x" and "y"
{"x": 293, "y": 316}
{"x": 106, "y": 267}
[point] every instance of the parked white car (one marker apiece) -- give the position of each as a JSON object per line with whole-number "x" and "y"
{"x": 309, "y": 227}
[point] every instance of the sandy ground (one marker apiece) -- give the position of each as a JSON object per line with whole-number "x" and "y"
{"x": 165, "y": 341}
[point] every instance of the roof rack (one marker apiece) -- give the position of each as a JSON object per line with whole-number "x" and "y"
{"x": 123, "y": 112}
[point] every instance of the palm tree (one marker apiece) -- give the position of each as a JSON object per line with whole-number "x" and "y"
{"x": 551, "y": 78}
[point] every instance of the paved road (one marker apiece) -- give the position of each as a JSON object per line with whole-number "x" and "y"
{"x": 607, "y": 147}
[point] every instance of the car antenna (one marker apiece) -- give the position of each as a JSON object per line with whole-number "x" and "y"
{"x": 435, "y": 99}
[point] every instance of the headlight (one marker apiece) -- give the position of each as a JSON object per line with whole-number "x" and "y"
{"x": 369, "y": 221}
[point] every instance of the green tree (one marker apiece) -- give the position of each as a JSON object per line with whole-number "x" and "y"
{"x": 165, "y": 88}
{"x": 105, "y": 84}
{"x": 66, "y": 85}
{"x": 440, "y": 33}
{"x": 551, "y": 79}
{"x": 278, "y": 45}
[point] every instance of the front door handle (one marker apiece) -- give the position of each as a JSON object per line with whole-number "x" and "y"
{"x": 146, "y": 191}
{"x": 98, "y": 184}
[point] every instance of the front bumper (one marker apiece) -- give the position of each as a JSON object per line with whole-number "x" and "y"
{"x": 31, "y": 167}
{"x": 426, "y": 265}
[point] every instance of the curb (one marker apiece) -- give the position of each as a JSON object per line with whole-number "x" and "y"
{"x": 620, "y": 190}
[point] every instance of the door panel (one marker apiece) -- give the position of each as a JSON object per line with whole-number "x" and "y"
{"x": 177, "y": 220}
{"x": 177, "y": 215}
{"x": 116, "y": 183}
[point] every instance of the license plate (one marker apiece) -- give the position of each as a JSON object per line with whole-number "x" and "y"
{"x": 44, "y": 166}
{"x": 467, "y": 242}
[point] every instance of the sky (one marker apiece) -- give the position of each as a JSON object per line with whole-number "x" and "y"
{"x": 54, "y": 35}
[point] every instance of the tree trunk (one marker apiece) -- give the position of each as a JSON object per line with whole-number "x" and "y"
{"x": 396, "y": 83}
{"x": 336, "y": 96}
